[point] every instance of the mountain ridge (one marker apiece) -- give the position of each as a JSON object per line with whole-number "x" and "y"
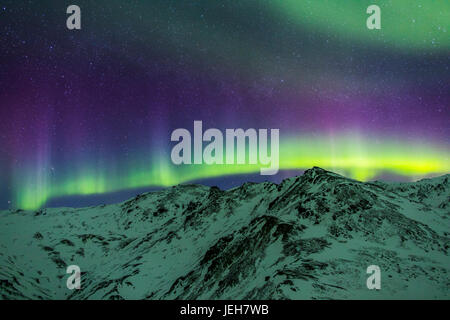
{"x": 308, "y": 237}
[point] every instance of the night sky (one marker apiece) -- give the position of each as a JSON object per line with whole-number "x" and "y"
{"x": 91, "y": 111}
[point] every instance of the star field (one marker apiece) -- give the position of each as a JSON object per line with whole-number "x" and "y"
{"x": 91, "y": 111}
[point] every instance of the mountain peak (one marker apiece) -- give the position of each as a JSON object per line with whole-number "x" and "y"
{"x": 315, "y": 172}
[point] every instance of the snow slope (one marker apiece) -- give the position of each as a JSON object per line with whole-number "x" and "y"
{"x": 310, "y": 237}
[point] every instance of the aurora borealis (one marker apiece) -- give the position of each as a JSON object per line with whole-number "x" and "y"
{"x": 91, "y": 111}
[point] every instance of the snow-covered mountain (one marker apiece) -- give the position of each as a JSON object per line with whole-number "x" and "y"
{"x": 309, "y": 237}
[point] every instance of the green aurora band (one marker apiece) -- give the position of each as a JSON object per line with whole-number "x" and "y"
{"x": 406, "y": 24}
{"x": 349, "y": 154}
